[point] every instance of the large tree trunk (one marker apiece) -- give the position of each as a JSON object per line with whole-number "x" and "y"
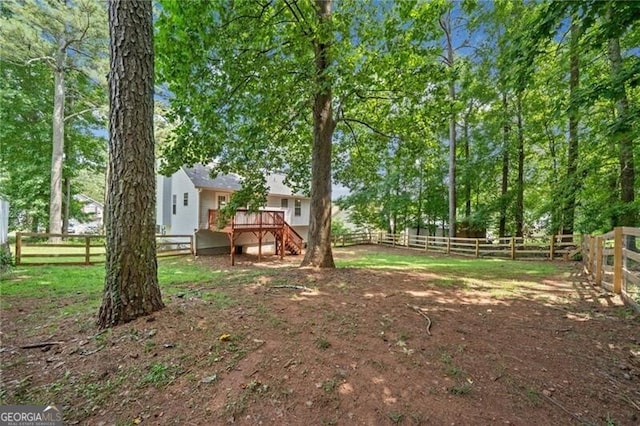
{"x": 502, "y": 226}
{"x": 520, "y": 181}
{"x": 572, "y": 185}
{"x": 446, "y": 27}
{"x": 623, "y": 135}
{"x": 67, "y": 205}
{"x": 319, "y": 252}
{"x": 131, "y": 282}
{"x": 467, "y": 177}
{"x": 57, "y": 154}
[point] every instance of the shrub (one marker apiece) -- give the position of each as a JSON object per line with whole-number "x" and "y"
{"x": 6, "y": 260}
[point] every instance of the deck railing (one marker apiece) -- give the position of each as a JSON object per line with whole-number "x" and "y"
{"x": 245, "y": 219}
{"x": 292, "y": 237}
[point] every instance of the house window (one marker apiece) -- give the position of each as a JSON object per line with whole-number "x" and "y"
{"x": 222, "y": 201}
{"x": 284, "y": 203}
{"x": 297, "y": 211}
{"x": 185, "y": 199}
{"x": 174, "y": 203}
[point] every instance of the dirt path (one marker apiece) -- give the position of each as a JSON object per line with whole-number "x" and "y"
{"x": 349, "y": 349}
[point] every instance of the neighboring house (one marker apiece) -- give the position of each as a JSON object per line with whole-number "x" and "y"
{"x": 188, "y": 204}
{"x": 343, "y": 217}
{"x": 94, "y": 211}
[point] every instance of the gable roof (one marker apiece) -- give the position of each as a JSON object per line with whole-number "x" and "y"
{"x": 87, "y": 200}
{"x": 200, "y": 176}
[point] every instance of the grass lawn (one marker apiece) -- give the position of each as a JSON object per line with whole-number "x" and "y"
{"x": 51, "y": 281}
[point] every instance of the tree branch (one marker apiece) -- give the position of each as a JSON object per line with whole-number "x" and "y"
{"x": 383, "y": 98}
{"x": 367, "y": 125}
{"x": 82, "y": 36}
{"x": 298, "y": 19}
{"x": 75, "y": 114}
{"x": 50, "y": 60}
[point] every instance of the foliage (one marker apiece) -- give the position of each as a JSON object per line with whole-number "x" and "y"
{"x": 6, "y": 261}
{"x": 47, "y": 45}
{"x": 338, "y": 228}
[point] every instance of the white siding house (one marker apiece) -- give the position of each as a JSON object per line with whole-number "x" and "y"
{"x": 186, "y": 199}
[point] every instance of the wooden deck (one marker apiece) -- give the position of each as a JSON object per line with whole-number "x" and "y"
{"x": 259, "y": 223}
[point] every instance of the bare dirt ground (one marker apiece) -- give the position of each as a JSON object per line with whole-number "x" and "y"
{"x": 349, "y": 349}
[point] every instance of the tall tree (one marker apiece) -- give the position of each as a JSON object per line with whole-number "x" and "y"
{"x": 68, "y": 37}
{"x": 573, "y": 180}
{"x": 319, "y": 247}
{"x": 25, "y": 148}
{"x": 229, "y": 66}
{"x": 447, "y": 28}
{"x": 131, "y": 282}
{"x": 621, "y": 132}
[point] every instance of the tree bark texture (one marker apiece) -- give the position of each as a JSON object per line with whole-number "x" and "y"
{"x": 502, "y": 226}
{"x": 467, "y": 185}
{"x": 622, "y": 134}
{"x": 520, "y": 181}
{"x": 319, "y": 252}
{"x": 573, "y": 183}
{"x": 57, "y": 153}
{"x": 131, "y": 282}
{"x": 446, "y": 26}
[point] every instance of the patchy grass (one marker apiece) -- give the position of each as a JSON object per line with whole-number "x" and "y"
{"x": 493, "y": 268}
{"x": 51, "y": 281}
{"x": 230, "y": 347}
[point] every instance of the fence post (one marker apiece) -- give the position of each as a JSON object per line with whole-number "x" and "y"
{"x": 342, "y": 238}
{"x": 426, "y": 242}
{"x": 592, "y": 252}
{"x": 87, "y": 250}
{"x": 552, "y": 247}
{"x": 448, "y": 245}
{"x": 617, "y": 260}
{"x": 477, "y": 248}
{"x": 599, "y": 248}
{"x": 18, "y": 247}
{"x": 513, "y": 248}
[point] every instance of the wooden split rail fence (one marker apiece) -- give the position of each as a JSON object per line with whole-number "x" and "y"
{"x": 612, "y": 260}
{"x": 542, "y": 247}
{"x": 80, "y": 249}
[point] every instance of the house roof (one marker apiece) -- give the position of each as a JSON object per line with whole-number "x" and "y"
{"x": 200, "y": 176}
{"x": 87, "y": 200}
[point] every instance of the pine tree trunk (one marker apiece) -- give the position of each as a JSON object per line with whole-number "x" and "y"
{"x": 57, "y": 154}
{"x": 623, "y": 136}
{"x": 131, "y": 281}
{"x": 467, "y": 177}
{"x": 446, "y": 26}
{"x": 572, "y": 184}
{"x": 319, "y": 252}
{"x": 502, "y": 226}
{"x": 520, "y": 181}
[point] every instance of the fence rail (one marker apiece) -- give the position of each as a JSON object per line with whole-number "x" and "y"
{"x": 612, "y": 260}
{"x": 537, "y": 247}
{"x": 77, "y": 249}
{"x": 351, "y": 239}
